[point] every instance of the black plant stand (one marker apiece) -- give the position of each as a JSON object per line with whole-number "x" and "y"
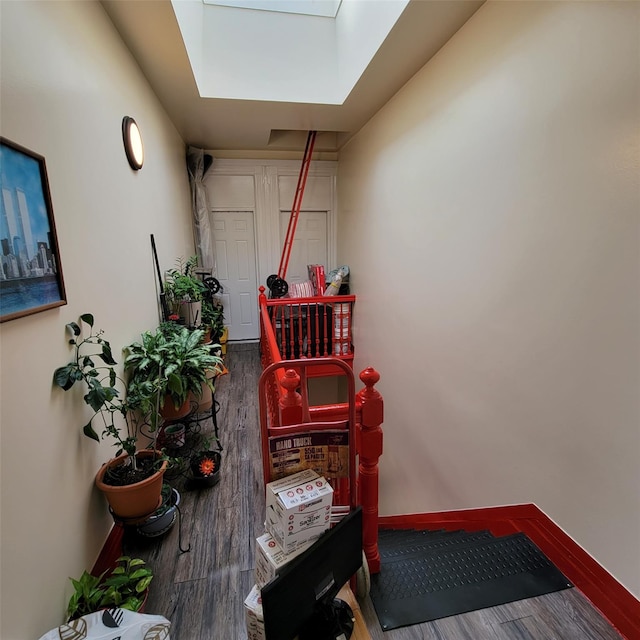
{"x": 193, "y": 419}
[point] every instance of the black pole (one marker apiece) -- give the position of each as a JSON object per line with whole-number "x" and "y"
{"x": 163, "y": 300}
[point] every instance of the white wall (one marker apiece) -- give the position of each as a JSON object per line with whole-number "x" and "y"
{"x": 361, "y": 28}
{"x": 489, "y": 214}
{"x": 67, "y": 82}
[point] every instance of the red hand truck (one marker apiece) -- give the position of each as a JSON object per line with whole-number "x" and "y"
{"x": 332, "y": 442}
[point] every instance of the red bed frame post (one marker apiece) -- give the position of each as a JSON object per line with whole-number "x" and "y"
{"x": 290, "y": 403}
{"x": 369, "y": 451}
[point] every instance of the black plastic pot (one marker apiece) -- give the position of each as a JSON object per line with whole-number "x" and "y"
{"x": 200, "y": 479}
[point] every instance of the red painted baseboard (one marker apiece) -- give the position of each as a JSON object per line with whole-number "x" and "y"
{"x": 612, "y": 599}
{"x": 111, "y": 551}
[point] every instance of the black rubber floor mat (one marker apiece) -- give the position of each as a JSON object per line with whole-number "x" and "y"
{"x": 470, "y": 575}
{"x": 399, "y": 536}
{"x": 395, "y": 534}
{"x": 419, "y": 546}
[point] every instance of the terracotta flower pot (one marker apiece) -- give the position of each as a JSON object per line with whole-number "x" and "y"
{"x": 169, "y": 411}
{"x": 206, "y": 399}
{"x": 133, "y": 501}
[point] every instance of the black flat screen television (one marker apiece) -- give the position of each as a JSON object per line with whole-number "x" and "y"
{"x": 301, "y": 600}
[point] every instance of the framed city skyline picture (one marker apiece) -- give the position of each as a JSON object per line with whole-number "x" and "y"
{"x": 30, "y": 271}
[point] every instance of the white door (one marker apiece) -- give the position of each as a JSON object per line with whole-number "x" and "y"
{"x": 309, "y": 243}
{"x": 235, "y": 255}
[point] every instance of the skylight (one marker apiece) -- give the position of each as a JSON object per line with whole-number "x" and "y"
{"x": 253, "y": 54}
{"x": 322, "y": 8}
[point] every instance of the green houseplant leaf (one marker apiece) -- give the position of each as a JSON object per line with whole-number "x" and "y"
{"x": 87, "y": 318}
{"x": 182, "y": 284}
{"x": 174, "y": 359}
{"x": 90, "y": 433}
{"x": 124, "y": 587}
{"x": 64, "y": 376}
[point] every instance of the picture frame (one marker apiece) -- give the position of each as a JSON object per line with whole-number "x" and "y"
{"x": 30, "y": 269}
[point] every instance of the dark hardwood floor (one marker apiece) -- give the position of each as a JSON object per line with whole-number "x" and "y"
{"x": 202, "y": 592}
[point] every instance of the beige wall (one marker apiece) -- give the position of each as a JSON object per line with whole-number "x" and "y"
{"x": 67, "y": 82}
{"x": 490, "y": 218}
{"x": 489, "y": 214}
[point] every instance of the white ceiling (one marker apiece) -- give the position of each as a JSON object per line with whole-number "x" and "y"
{"x": 150, "y": 30}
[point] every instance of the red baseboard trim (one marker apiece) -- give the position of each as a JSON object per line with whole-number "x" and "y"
{"x": 618, "y": 605}
{"x": 110, "y": 552}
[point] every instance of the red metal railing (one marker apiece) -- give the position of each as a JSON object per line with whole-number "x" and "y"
{"x": 314, "y": 327}
{"x": 283, "y": 392}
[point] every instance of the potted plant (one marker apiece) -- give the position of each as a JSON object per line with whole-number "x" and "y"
{"x": 213, "y": 317}
{"x": 132, "y": 481}
{"x": 164, "y": 517}
{"x": 126, "y": 587}
{"x": 205, "y": 466}
{"x": 185, "y": 291}
{"x": 177, "y": 358}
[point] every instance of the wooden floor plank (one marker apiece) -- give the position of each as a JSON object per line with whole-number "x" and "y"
{"x": 564, "y": 615}
{"x": 528, "y": 628}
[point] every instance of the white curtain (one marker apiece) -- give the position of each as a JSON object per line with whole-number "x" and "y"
{"x": 197, "y": 163}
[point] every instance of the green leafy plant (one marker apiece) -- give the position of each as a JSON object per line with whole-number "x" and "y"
{"x": 182, "y": 284}
{"x": 213, "y": 317}
{"x": 93, "y": 366}
{"x": 169, "y": 328}
{"x": 87, "y": 596}
{"x": 174, "y": 356}
{"x": 124, "y": 587}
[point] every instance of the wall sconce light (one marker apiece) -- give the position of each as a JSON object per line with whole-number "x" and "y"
{"x": 132, "y": 143}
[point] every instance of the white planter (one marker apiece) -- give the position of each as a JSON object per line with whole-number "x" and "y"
{"x": 191, "y": 313}
{"x": 175, "y": 435}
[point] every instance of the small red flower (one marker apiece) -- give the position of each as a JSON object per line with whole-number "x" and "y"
{"x": 207, "y": 466}
{"x": 174, "y": 317}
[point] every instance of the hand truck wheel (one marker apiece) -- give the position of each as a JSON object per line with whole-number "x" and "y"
{"x": 213, "y": 285}
{"x": 278, "y": 287}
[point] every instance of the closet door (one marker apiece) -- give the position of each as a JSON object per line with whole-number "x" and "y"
{"x": 235, "y": 250}
{"x": 309, "y": 245}
{"x": 250, "y": 203}
{"x": 233, "y": 215}
{"x": 311, "y": 242}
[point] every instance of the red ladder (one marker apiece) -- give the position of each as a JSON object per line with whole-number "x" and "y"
{"x": 297, "y": 203}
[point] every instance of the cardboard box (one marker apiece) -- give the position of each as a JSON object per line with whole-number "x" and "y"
{"x": 290, "y": 540}
{"x": 270, "y": 558}
{"x": 316, "y": 275}
{"x": 298, "y": 509}
{"x": 255, "y": 619}
{"x": 297, "y": 489}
